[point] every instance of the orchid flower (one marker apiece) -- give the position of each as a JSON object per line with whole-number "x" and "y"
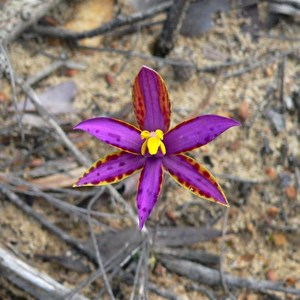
{"x": 152, "y": 148}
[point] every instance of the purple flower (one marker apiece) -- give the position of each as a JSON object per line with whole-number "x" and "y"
{"x": 153, "y": 148}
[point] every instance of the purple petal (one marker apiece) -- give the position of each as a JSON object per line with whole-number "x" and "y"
{"x": 149, "y": 188}
{"x": 111, "y": 169}
{"x": 196, "y": 132}
{"x": 114, "y": 132}
{"x": 151, "y": 101}
{"x": 194, "y": 177}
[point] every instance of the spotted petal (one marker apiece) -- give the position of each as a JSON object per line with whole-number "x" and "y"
{"x": 196, "y": 132}
{"x": 149, "y": 188}
{"x": 151, "y": 101}
{"x": 194, "y": 177}
{"x": 111, "y": 169}
{"x": 114, "y": 132}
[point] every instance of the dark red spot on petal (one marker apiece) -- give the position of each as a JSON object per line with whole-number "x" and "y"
{"x": 111, "y": 157}
{"x": 197, "y": 167}
{"x": 216, "y": 184}
{"x": 129, "y": 172}
{"x": 206, "y": 174}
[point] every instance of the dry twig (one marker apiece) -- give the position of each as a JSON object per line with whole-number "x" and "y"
{"x": 14, "y": 198}
{"x": 110, "y": 26}
{"x": 166, "y": 41}
{"x": 254, "y": 65}
{"x": 57, "y": 203}
{"x": 96, "y": 247}
{"x": 210, "y": 276}
{"x": 34, "y": 282}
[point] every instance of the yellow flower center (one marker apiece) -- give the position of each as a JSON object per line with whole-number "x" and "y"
{"x": 153, "y": 141}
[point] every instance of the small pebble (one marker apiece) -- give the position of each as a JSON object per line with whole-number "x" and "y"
{"x": 251, "y": 228}
{"x": 171, "y": 215}
{"x": 291, "y": 192}
{"x": 269, "y": 71}
{"x": 273, "y": 211}
{"x": 291, "y": 281}
{"x": 279, "y": 239}
{"x": 271, "y": 275}
{"x": 3, "y": 98}
{"x": 244, "y": 111}
{"x": 109, "y": 79}
{"x": 271, "y": 173}
{"x": 114, "y": 68}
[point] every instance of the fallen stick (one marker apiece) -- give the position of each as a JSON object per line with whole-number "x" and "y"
{"x": 172, "y": 25}
{"x": 118, "y": 22}
{"x": 210, "y": 276}
{"x": 80, "y": 247}
{"x": 29, "y": 279}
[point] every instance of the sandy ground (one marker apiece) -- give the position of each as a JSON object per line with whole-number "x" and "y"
{"x": 263, "y": 225}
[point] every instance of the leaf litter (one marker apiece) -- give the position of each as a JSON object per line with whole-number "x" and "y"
{"x": 263, "y": 226}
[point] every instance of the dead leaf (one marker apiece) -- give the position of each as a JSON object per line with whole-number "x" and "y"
{"x": 247, "y": 257}
{"x": 58, "y": 180}
{"x": 70, "y": 72}
{"x": 36, "y": 162}
{"x": 279, "y": 239}
{"x": 111, "y": 242}
{"x": 56, "y": 99}
{"x": 90, "y": 14}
